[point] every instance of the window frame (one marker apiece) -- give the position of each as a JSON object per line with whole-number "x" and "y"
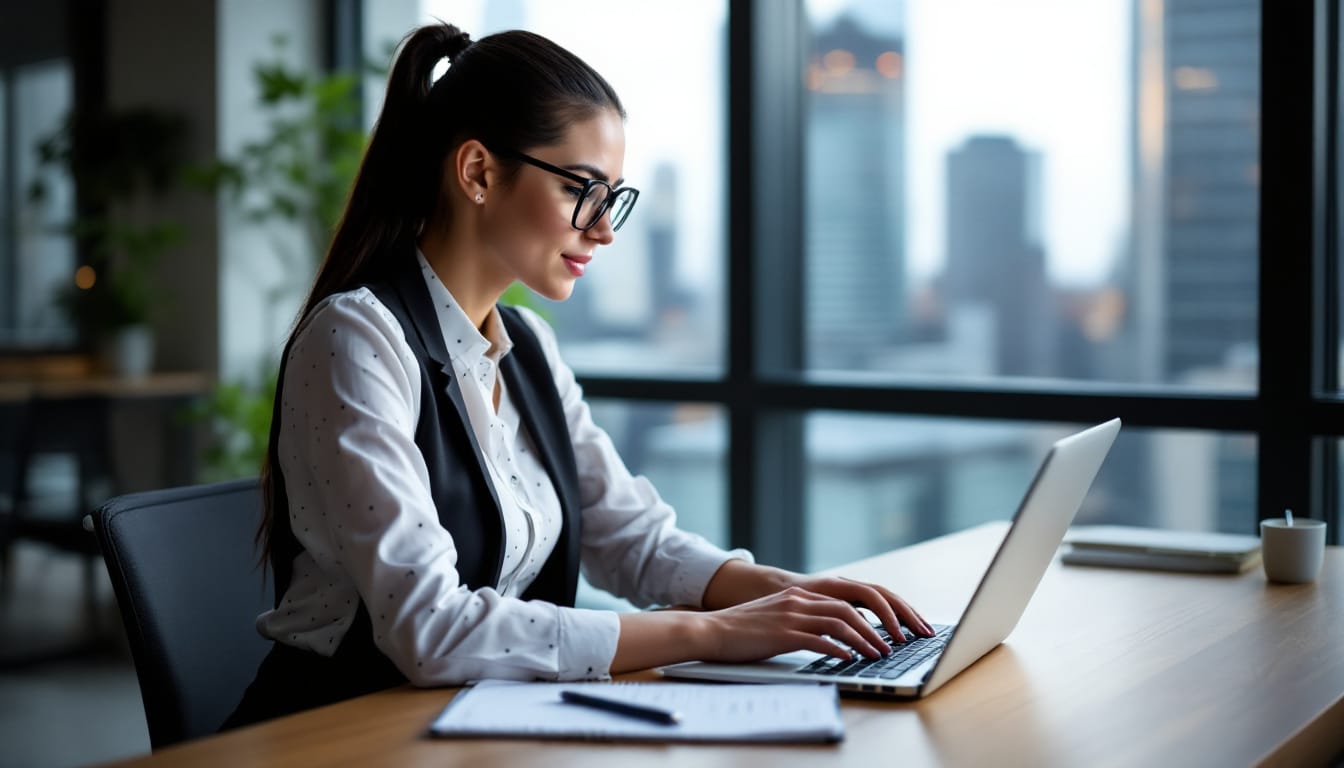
{"x": 49, "y": 34}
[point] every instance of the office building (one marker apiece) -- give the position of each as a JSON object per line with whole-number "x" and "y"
{"x": 855, "y": 195}
{"x": 1194, "y": 274}
{"x": 995, "y": 256}
{"x": 1212, "y": 180}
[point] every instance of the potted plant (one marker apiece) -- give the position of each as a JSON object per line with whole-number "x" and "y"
{"x": 296, "y": 174}
{"x": 111, "y": 299}
{"x": 119, "y": 162}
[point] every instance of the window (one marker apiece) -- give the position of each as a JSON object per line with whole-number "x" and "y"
{"x": 995, "y": 203}
{"x": 994, "y": 200}
{"x": 937, "y": 233}
{"x": 877, "y": 482}
{"x": 680, "y": 448}
{"x": 35, "y": 261}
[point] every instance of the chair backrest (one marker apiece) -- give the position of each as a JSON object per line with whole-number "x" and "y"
{"x": 184, "y": 570}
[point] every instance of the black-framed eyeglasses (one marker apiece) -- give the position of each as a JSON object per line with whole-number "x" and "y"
{"x": 595, "y": 196}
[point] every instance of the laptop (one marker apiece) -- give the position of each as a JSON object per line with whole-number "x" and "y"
{"x": 922, "y": 665}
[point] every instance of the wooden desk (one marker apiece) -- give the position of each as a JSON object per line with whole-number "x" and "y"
{"x": 1107, "y": 667}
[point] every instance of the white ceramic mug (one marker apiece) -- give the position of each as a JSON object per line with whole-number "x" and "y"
{"x": 1292, "y": 554}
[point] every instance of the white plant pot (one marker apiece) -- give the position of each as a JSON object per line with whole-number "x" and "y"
{"x": 129, "y": 351}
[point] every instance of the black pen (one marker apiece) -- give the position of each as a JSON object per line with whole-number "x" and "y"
{"x": 652, "y": 714}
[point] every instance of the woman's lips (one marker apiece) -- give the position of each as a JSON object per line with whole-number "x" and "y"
{"x": 577, "y": 263}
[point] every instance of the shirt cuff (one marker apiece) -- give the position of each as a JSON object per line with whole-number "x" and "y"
{"x": 587, "y": 643}
{"x": 694, "y": 572}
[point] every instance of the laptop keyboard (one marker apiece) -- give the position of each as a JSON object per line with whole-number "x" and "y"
{"x": 904, "y": 657}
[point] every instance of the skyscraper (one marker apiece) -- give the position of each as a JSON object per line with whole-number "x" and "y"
{"x": 1212, "y": 181}
{"x": 995, "y": 258}
{"x": 855, "y": 168}
{"x": 1212, "y": 210}
{"x": 1193, "y": 270}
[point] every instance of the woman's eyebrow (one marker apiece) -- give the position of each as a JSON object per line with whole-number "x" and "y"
{"x": 594, "y": 172}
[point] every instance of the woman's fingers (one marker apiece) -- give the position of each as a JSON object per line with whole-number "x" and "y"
{"x": 818, "y": 614}
{"x": 889, "y": 608}
{"x": 894, "y": 612}
{"x": 822, "y": 614}
{"x": 881, "y": 605}
{"x": 905, "y": 612}
{"x": 844, "y": 632}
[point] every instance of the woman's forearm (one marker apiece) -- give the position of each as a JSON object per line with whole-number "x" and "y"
{"x": 738, "y": 581}
{"x": 655, "y": 638}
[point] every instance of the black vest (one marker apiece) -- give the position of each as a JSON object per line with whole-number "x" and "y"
{"x": 291, "y": 679}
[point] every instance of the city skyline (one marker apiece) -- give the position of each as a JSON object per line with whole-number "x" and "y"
{"x": 1068, "y": 99}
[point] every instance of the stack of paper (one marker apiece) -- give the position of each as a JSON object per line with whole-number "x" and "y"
{"x": 1134, "y": 547}
{"x": 708, "y": 712}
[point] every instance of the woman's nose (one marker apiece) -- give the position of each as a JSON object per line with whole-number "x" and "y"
{"x": 601, "y": 232}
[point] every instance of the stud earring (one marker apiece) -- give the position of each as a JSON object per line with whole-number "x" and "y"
{"x": 480, "y": 198}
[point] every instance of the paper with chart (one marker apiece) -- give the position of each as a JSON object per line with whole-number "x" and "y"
{"x": 709, "y": 712}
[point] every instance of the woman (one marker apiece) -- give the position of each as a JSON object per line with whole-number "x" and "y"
{"x": 435, "y": 478}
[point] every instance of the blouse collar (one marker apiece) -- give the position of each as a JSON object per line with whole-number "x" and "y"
{"x": 465, "y": 342}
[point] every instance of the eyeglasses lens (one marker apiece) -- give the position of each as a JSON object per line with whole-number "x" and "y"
{"x": 598, "y": 200}
{"x": 591, "y": 206}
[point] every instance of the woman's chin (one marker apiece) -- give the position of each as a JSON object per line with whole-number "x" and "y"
{"x": 556, "y": 291}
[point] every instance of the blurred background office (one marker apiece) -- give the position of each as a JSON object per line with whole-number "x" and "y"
{"x": 888, "y": 251}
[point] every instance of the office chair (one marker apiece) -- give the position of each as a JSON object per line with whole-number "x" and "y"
{"x": 184, "y": 572}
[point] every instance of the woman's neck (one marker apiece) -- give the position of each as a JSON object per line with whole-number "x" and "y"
{"x": 463, "y": 271}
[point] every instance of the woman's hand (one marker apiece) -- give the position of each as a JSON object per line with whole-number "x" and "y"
{"x": 756, "y": 612}
{"x": 791, "y": 620}
{"x": 738, "y": 582}
{"x": 890, "y": 609}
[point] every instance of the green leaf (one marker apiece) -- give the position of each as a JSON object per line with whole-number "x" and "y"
{"x": 237, "y": 417}
{"x": 277, "y": 84}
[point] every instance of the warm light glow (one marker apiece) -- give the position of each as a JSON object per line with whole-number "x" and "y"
{"x": 1194, "y": 79}
{"x": 1152, "y": 99}
{"x": 838, "y": 62}
{"x": 1103, "y": 318}
{"x": 85, "y": 277}
{"x": 889, "y": 65}
{"x": 815, "y": 77}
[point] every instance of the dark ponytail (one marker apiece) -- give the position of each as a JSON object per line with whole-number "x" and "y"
{"x": 512, "y": 89}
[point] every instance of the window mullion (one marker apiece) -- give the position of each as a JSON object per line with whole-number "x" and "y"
{"x": 1288, "y": 313}
{"x": 766, "y": 46}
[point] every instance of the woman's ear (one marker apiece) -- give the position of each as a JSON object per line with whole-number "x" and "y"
{"x": 472, "y": 168}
